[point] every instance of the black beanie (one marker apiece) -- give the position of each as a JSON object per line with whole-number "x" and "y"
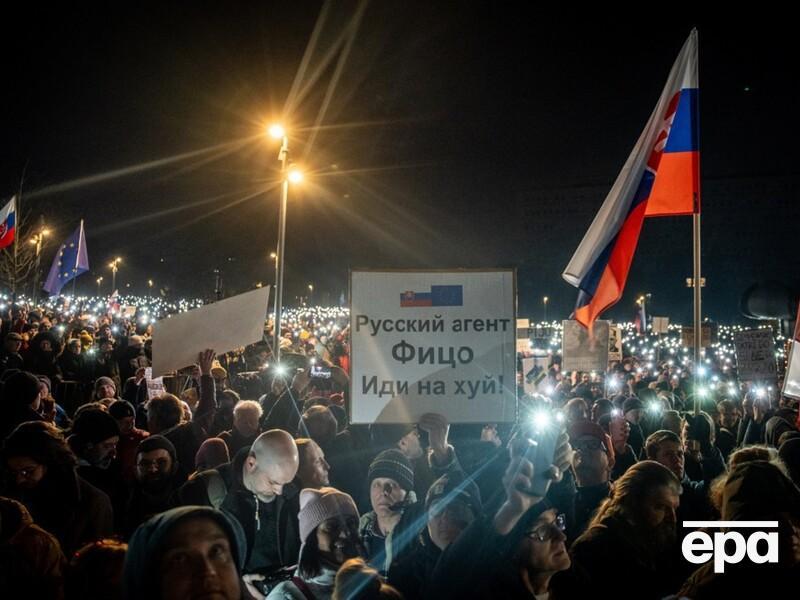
{"x": 94, "y": 426}
{"x": 20, "y": 389}
{"x": 157, "y": 442}
{"x": 119, "y": 409}
{"x": 392, "y": 464}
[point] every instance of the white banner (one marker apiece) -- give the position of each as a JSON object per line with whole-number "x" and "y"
{"x": 222, "y": 326}
{"x": 614, "y": 343}
{"x": 791, "y": 381}
{"x": 580, "y": 352}
{"x": 755, "y": 355}
{"x": 433, "y": 341}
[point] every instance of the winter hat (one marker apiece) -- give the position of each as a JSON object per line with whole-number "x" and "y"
{"x": 157, "y": 442}
{"x": 20, "y": 389}
{"x": 212, "y": 453}
{"x": 790, "y": 455}
{"x": 101, "y": 381}
{"x": 146, "y": 546}
{"x": 320, "y": 505}
{"x": 453, "y": 487}
{"x": 120, "y": 409}
{"x": 392, "y": 464}
{"x": 630, "y": 404}
{"x": 136, "y": 341}
{"x": 743, "y": 497}
{"x": 94, "y": 426}
{"x": 585, "y": 427}
{"x": 46, "y": 380}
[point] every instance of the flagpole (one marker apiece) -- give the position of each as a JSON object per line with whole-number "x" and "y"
{"x": 697, "y": 264}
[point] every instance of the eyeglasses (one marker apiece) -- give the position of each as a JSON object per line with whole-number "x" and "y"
{"x": 549, "y": 530}
{"x": 589, "y": 445}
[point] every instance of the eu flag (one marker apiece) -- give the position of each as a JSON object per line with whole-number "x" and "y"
{"x": 70, "y": 261}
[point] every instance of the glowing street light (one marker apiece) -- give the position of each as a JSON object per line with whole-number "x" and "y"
{"x": 288, "y": 174}
{"x": 99, "y": 281}
{"x": 544, "y": 302}
{"x": 114, "y": 264}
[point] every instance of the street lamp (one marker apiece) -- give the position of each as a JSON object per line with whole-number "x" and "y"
{"x": 544, "y": 302}
{"x": 99, "y": 281}
{"x": 288, "y": 174}
{"x": 114, "y": 264}
{"x": 310, "y": 293}
{"x": 38, "y": 241}
{"x": 150, "y": 285}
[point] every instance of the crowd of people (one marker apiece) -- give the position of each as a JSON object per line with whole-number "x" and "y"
{"x": 246, "y": 480}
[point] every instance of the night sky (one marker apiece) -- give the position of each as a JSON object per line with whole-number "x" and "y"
{"x": 463, "y": 134}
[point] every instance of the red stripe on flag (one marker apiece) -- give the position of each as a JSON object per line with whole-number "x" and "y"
{"x": 677, "y": 181}
{"x": 614, "y": 276}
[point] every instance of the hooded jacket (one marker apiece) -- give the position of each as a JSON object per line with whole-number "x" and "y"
{"x": 31, "y": 561}
{"x": 141, "y": 571}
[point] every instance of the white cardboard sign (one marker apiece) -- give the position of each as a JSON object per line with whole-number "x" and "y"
{"x": 223, "y": 326}
{"x": 755, "y": 355}
{"x": 433, "y": 341}
{"x": 582, "y": 352}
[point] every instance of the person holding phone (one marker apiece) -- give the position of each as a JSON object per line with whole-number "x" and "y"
{"x": 515, "y": 552}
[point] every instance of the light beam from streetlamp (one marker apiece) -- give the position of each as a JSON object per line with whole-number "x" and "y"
{"x": 295, "y": 175}
{"x": 276, "y": 131}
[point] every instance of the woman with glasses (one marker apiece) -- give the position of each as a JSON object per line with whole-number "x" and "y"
{"x": 515, "y": 552}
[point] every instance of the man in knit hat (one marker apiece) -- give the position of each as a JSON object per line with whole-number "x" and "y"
{"x": 632, "y": 411}
{"x": 10, "y": 357}
{"x": 592, "y": 462}
{"x": 104, "y": 389}
{"x": 129, "y": 438}
{"x": 156, "y": 482}
{"x": 392, "y": 524}
{"x": 186, "y": 552}
{"x": 94, "y": 439}
{"x": 453, "y": 502}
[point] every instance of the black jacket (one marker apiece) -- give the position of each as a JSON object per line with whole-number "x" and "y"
{"x": 242, "y": 504}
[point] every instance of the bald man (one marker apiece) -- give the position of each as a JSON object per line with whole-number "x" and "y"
{"x": 263, "y": 500}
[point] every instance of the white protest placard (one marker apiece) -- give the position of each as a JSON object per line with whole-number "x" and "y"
{"x": 523, "y": 345}
{"x": 614, "y": 343}
{"x": 523, "y": 323}
{"x": 791, "y": 380}
{"x": 755, "y": 355}
{"x": 582, "y": 352}
{"x": 660, "y": 325}
{"x": 433, "y": 341}
{"x": 223, "y": 326}
{"x": 532, "y": 370}
{"x": 155, "y": 387}
{"x": 127, "y": 312}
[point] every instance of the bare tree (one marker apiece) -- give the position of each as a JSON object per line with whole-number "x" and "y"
{"x": 20, "y": 276}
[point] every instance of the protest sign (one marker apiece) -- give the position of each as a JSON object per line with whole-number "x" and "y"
{"x": 433, "y": 341}
{"x": 222, "y": 326}
{"x": 614, "y": 343}
{"x": 582, "y": 352}
{"x": 660, "y": 325}
{"x": 755, "y": 355}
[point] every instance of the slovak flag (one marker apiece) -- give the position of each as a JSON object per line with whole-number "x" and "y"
{"x": 660, "y": 178}
{"x": 8, "y": 221}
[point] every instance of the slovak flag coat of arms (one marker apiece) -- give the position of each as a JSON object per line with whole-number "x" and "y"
{"x": 8, "y": 223}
